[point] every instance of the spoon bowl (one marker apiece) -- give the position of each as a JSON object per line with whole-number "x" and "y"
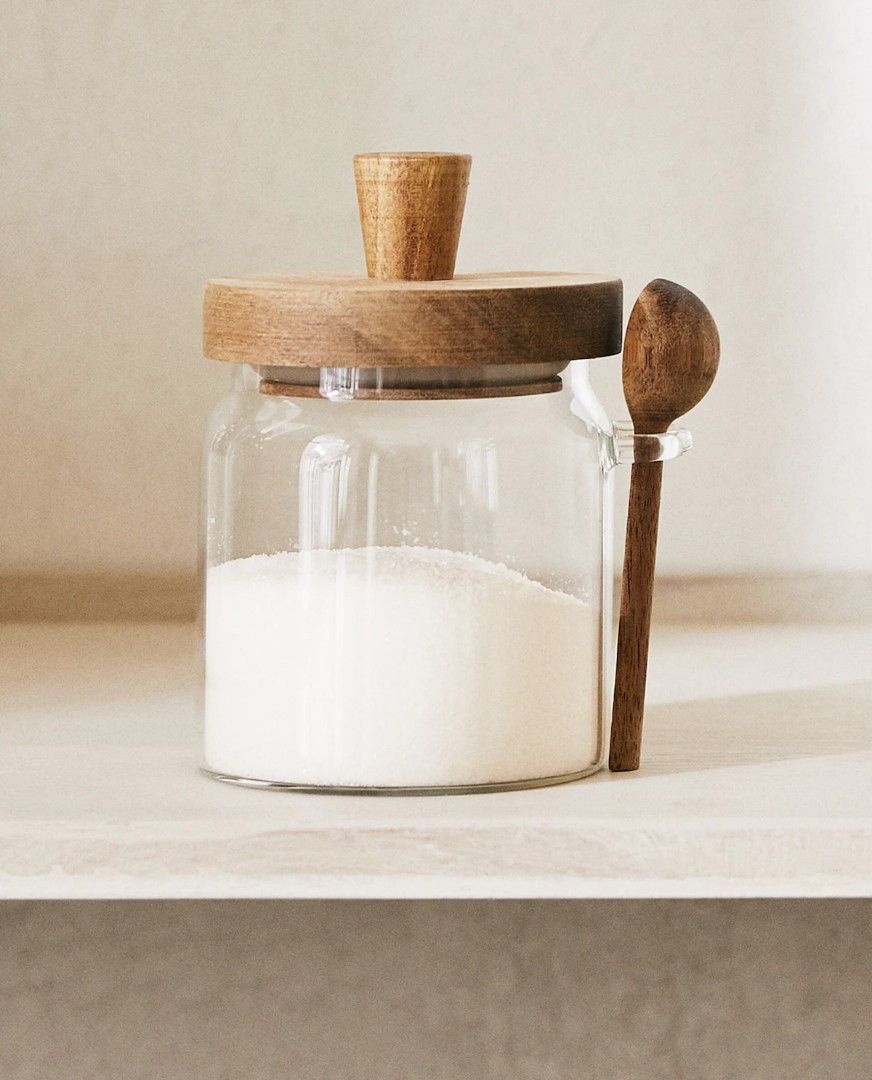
{"x": 671, "y": 353}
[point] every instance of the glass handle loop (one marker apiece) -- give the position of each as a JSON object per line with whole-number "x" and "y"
{"x": 631, "y": 448}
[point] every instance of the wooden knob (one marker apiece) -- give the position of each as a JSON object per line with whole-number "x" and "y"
{"x": 411, "y": 208}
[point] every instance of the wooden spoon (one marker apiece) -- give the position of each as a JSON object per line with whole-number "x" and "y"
{"x": 671, "y": 352}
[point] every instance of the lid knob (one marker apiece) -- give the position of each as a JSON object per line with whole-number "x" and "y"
{"x": 411, "y": 208}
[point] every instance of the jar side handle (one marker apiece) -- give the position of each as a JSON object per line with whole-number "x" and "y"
{"x": 630, "y": 448}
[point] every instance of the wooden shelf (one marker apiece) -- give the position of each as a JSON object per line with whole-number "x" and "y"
{"x": 757, "y": 782}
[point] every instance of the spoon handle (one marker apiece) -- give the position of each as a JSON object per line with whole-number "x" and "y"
{"x": 635, "y": 622}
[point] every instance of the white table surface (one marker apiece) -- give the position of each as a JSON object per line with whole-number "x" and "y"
{"x": 757, "y": 782}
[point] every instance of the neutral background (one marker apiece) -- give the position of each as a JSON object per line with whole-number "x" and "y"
{"x": 148, "y": 146}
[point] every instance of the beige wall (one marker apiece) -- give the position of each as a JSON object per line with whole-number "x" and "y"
{"x": 148, "y": 146}
{"x": 767, "y": 990}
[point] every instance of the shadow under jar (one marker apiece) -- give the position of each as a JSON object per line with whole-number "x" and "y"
{"x": 407, "y": 544}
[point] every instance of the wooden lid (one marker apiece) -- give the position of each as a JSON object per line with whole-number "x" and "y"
{"x": 410, "y": 312}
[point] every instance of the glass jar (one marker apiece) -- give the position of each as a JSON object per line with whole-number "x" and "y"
{"x": 409, "y": 595}
{"x": 407, "y": 516}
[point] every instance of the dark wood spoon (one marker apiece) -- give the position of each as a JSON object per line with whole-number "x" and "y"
{"x": 671, "y": 352}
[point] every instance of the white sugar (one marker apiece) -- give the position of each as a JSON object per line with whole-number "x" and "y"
{"x": 395, "y": 666}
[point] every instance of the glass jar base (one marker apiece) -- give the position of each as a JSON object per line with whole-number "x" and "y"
{"x": 444, "y": 789}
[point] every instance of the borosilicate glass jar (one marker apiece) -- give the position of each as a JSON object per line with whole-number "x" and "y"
{"x": 407, "y": 577}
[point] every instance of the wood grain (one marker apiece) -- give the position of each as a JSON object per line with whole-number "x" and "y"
{"x": 472, "y": 320}
{"x": 634, "y": 626}
{"x": 410, "y": 311}
{"x": 411, "y": 210}
{"x": 671, "y": 355}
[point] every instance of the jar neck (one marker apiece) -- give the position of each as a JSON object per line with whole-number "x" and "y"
{"x": 585, "y": 404}
{"x": 411, "y": 383}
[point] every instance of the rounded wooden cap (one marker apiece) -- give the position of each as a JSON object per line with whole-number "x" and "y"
{"x": 410, "y": 311}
